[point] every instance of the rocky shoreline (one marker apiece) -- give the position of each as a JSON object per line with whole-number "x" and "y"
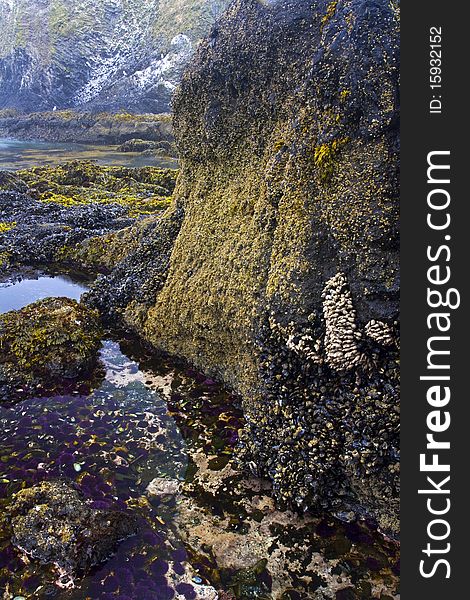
{"x": 47, "y": 212}
{"x": 270, "y": 263}
{"x": 273, "y": 264}
{"x": 86, "y": 128}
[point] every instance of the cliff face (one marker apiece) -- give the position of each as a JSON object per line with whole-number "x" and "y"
{"x": 98, "y": 54}
{"x": 279, "y": 272}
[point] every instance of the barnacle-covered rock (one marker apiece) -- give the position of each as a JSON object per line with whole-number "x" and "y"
{"x": 53, "y": 524}
{"x": 286, "y": 245}
{"x": 46, "y": 342}
{"x": 69, "y": 213}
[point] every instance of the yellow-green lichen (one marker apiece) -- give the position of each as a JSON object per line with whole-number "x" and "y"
{"x": 330, "y": 13}
{"x": 5, "y": 226}
{"x": 5, "y": 259}
{"x": 324, "y": 157}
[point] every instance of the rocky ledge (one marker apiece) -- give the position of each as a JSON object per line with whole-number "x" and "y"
{"x": 276, "y": 267}
{"x": 85, "y": 128}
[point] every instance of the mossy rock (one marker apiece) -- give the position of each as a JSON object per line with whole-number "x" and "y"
{"x": 47, "y": 342}
{"x": 283, "y": 276}
{"x": 136, "y": 145}
{"x": 53, "y": 524}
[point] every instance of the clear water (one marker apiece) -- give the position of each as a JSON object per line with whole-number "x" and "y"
{"x": 14, "y": 296}
{"x": 16, "y": 154}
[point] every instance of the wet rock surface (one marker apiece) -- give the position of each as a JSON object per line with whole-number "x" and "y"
{"x": 47, "y": 212}
{"x": 52, "y": 524}
{"x": 282, "y": 278}
{"x": 45, "y": 343}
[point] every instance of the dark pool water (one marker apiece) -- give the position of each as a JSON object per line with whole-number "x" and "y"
{"x": 17, "y": 154}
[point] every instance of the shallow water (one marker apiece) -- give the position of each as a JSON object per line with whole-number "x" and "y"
{"x": 14, "y": 296}
{"x": 152, "y": 419}
{"x": 17, "y": 154}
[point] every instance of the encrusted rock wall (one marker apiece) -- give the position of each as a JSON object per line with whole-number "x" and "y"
{"x": 283, "y": 276}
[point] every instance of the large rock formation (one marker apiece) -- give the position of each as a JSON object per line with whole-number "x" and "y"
{"x": 99, "y": 54}
{"x": 276, "y": 269}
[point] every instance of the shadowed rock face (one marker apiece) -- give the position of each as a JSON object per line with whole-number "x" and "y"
{"x": 99, "y": 54}
{"x": 283, "y": 275}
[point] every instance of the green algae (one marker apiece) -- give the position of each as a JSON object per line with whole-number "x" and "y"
{"x": 5, "y": 226}
{"x": 325, "y": 156}
{"x": 143, "y": 191}
{"x": 49, "y": 339}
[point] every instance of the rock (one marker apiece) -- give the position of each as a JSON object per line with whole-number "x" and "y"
{"x": 45, "y": 343}
{"x": 136, "y": 145}
{"x": 99, "y": 54}
{"x": 163, "y": 148}
{"x": 149, "y": 148}
{"x": 285, "y": 245}
{"x": 163, "y": 487}
{"x": 53, "y": 525}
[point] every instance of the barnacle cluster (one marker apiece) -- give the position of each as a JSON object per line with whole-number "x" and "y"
{"x": 380, "y": 332}
{"x": 342, "y": 336}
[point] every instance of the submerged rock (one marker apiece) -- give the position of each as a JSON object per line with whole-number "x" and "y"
{"x": 280, "y": 275}
{"x": 46, "y": 342}
{"x": 163, "y": 487}
{"x": 53, "y": 524}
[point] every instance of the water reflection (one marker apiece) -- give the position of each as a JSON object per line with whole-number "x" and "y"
{"x": 17, "y": 154}
{"x": 14, "y": 296}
